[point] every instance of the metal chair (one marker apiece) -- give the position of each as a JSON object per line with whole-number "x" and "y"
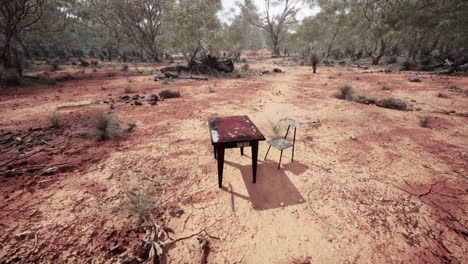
{"x": 282, "y": 143}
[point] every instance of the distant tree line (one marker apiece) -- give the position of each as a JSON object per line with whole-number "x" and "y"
{"x": 153, "y": 30}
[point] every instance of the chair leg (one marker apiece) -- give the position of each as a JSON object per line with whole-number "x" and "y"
{"x": 267, "y": 152}
{"x": 279, "y": 163}
{"x": 292, "y": 157}
{"x": 242, "y": 151}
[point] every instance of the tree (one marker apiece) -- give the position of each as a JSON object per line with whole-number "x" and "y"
{"x": 241, "y": 35}
{"x": 141, "y": 21}
{"x": 16, "y": 17}
{"x": 273, "y": 24}
{"x": 193, "y": 25}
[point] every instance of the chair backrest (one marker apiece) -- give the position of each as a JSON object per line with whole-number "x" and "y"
{"x": 292, "y": 122}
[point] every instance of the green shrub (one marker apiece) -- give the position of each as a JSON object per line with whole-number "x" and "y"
{"x": 55, "y": 66}
{"x": 455, "y": 88}
{"x": 386, "y": 87}
{"x": 362, "y": 99}
{"x": 425, "y": 121}
{"x": 392, "y": 60}
{"x": 314, "y": 59}
{"x": 128, "y": 90}
{"x": 442, "y": 95}
{"x": 426, "y": 61}
{"x": 407, "y": 65}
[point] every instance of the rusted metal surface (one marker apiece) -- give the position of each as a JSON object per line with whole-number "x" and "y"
{"x": 233, "y": 129}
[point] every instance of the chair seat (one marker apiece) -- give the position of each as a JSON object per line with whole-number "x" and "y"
{"x": 280, "y": 143}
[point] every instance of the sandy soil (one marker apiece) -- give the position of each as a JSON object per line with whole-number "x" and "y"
{"x": 397, "y": 191}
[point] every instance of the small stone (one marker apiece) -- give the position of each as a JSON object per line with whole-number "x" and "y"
{"x": 414, "y": 79}
{"x": 125, "y": 97}
{"x": 135, "y": 97}
{"x": 138, "y": 102}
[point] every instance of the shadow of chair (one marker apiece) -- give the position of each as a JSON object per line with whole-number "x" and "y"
{"x": 273, "y": 188}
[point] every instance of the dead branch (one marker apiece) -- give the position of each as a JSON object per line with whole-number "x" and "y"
{"x": 16, "y": 158}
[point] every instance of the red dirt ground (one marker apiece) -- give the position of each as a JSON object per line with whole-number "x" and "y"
{"x": 397, "y": 191}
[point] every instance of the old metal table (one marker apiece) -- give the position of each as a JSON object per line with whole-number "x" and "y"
{"x": 234, "y": 132}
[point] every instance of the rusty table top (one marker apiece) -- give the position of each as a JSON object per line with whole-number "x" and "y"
{"x": 229, "y": 129}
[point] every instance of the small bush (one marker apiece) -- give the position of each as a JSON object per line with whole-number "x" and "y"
{"x": 442, "y": 95}
{"x": 125, "y": 67}
{"x": 55, "y": 121}
{"x": 314, "y": 59}
{"x": 345, "y": 92}
{"x": 66, "y": 77}
{"x": 386, "y": 88}
{"x": 245, "y": 67}
{"x": 362, "y": 99}
{"x": 426, "y": 61}
{"x": 84, "y": 63}
{"x": 425, "y": 121}
{"x": 139, "y": 203}
{"x": 392, "y": 60}
{"x": 94, "y": 70}
{"x": 455, "y": 88}
{"x": 104, "y": 127}
{"x": 128, "y": 90}
{"x": 406, "y": 65}
{"x": 55, "y": 67}
{"x": 43, "y": 79}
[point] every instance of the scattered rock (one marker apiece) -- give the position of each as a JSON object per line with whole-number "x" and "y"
{"x": 176, "y": 212}
{"x": 138, "y": 102}
{"x": 414, "y": 79}
{"x": 112, "y": 106}
{"x": 130, "y": 127}
{"x": 265, "y": 72}
{"x": 135, "y": 97}
{"x": 152, "y": 99}
{"x": 169, "y": 93}
{"x": 125, "y": 97}
{"x": 391, "y": 103}
{"x": 419, "y": 109}
{"x": 277, "y": 70}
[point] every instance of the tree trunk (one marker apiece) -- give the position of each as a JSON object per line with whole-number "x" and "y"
{"x": 383, "y": 47}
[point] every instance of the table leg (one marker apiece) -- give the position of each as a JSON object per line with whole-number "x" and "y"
{"x": 214, "y": 150}
{"x": 254, "y": 160}
{"x": 242, "y": 151}
{"x": 220, "y": 154}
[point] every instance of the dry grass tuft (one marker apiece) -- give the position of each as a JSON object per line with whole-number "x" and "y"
{"x": 56, "y": 121}
{"x": 345, "y": 92}
{"x": 104, "y": 127}
{"x": 425, "y": 121}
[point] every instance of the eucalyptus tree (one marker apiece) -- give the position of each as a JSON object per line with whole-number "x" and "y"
{"x": 193, "y": 26}
{"x": 273, "y": 23}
